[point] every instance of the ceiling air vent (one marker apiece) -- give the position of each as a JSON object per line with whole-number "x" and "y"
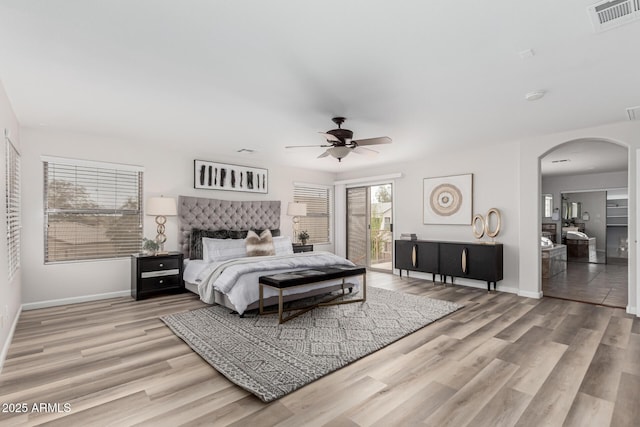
{"x": 610, "y": 14}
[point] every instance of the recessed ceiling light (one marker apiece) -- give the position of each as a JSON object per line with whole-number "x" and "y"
{"x": 534, "y": 95}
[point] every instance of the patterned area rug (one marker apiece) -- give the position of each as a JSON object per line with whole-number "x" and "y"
{"x": 272, "y": 360}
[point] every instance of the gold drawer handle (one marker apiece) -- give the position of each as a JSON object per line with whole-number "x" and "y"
{"x": 414, "y": 256}
{"x": 464, "y": 260}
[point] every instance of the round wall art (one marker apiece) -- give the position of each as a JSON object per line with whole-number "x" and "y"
{"x": 446, "y": 199}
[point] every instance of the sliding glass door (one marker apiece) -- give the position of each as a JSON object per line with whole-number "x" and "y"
{"x": 369, "y": 226}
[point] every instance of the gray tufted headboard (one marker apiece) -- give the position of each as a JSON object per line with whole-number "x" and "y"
{"x": 214, "y": 214}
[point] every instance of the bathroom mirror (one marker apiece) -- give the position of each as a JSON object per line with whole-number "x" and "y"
{"x": 571, "y": 210}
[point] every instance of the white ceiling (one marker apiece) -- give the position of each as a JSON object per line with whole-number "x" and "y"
{"x": 223, "y": 75}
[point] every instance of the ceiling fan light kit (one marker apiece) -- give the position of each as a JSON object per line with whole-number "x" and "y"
{"x": 339, "y": 152}
{"x": 341, "y": 142}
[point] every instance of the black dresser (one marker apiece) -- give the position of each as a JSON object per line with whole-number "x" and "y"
{"x": 455, "y": 259}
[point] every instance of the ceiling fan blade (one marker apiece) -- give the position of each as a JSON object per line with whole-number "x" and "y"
{"x": 374, "y": 141}
{"x": 306, "y": 146}
{"x": 325, "y": 154}
{"x": 329, "y": 137}
{"x": 366, "y": 151}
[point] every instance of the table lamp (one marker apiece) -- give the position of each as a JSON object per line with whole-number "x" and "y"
{"x": 296, "y": 210}
{"x": 161, "y": 207}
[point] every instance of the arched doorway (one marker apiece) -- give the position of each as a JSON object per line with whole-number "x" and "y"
{"x": 584, "y": 212}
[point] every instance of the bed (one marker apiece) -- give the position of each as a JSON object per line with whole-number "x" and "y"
{"x": 580, "y": 247}
{"x": 212, "y": 237}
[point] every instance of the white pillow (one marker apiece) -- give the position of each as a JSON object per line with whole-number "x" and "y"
{"x": 205, "y": 251}
{"x": 214, "y": 250}
{"x": 576, "y": 235}
{"x": 283, "y": 245}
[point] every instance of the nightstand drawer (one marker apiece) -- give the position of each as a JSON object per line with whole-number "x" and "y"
{"x": 159, "y": 263}
{"x": 159, "y": 273}
{"x": 159, "y": 283}
{"x": 298, "y": 248}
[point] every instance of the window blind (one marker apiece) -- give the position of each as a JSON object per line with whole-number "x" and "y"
{"x": 319, "y": 211}
{"x": 13, "y": 207}
{"x": 92, "y": 210}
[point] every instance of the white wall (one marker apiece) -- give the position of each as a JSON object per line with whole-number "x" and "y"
{"x": 167, "y": 172}
{"x": 532, "y": 149}
{"x": 9, "y": 290}
{"x": 495, "y": 185}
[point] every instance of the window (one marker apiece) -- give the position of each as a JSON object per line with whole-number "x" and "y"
{"x": 13, "y": 207}
{"x": 547, "y": 203}
{"x": 93, "y": 210}
{"x": 319, "y": 210}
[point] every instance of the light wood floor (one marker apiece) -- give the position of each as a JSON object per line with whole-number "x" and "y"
{"x": 503, "y": 360}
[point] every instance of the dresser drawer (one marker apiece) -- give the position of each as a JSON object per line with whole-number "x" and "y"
{"x": 159, "y": 263}
{"x": 159, "y": 283}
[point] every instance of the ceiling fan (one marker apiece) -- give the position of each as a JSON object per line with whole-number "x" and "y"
{"x": 341, "y": 142}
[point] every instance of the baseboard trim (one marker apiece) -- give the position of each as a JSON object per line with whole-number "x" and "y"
{"x": 529, "y": 294}
{"x": 459, "y": 281}
{"x": 74, "y": 300}
{"x": 632, "y": 310}
{"x": 7, "y": 343}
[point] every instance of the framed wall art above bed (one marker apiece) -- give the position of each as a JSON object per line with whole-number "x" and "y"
{"x": 223, "y": 176}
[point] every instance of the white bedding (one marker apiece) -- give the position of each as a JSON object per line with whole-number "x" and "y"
{"x": 238, "y": 278}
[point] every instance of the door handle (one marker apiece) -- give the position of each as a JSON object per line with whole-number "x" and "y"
{"x": 414, "y": 256}
{"x": 464, "y": 260}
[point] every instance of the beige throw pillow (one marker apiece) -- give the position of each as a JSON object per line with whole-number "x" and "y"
{"x": 261, "y": 245}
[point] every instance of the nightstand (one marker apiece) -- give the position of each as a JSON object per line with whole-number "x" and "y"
{"x": 297, "y": 248}
{"x": 156, "y": 274}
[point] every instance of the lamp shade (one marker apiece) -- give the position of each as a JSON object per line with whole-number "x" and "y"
{"x": 297, "y": 209}
{"x": 161, "y": 206}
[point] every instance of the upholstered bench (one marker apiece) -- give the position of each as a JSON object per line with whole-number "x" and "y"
{"x": 282, "y": 281}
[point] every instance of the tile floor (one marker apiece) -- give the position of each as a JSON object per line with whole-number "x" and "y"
{"x": 604, "y": 284}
